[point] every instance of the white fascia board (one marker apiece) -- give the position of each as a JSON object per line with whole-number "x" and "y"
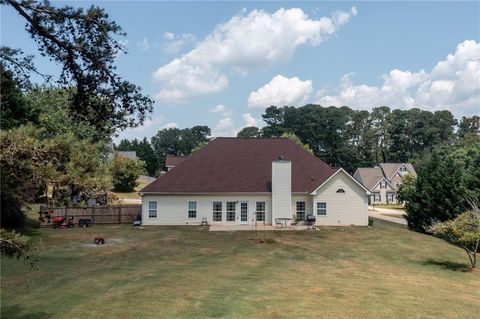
{"x": 340, "y": 170}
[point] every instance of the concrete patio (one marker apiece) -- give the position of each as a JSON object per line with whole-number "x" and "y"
{"x": 236, "y": 227}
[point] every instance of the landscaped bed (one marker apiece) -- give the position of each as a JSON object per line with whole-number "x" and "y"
{"x": 187, "y": 272}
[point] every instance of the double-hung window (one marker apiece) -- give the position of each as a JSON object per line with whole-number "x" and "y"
{"x": 321, "y": 208}
{"x": 192, "y": 209}
{"x": 217, "y": 211}
{"x": 260, "y": 211}
{"x": 377, "y": 198}
{"x": 383, "y": 184}
{"x": 231, "y": 206}
{"x": 152, "y": 209}
{"x": 300, "y": 212}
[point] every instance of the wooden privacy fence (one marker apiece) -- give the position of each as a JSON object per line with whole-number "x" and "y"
{"x": 121, "y": 214}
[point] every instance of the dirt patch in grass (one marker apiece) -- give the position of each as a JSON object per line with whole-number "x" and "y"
{"x": 108, "y": 242}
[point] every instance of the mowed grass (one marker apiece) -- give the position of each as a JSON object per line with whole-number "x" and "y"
{"x": 187, "y": 272}
{"x": 131, "y": 195}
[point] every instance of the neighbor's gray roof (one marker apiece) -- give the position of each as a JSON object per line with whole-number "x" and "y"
{"x": 390, "y": 168}
{"x": 127, "y": 154}
{"x": 369, "y": 176}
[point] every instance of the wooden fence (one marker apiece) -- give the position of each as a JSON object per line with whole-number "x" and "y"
{"x": 121, "y": 214}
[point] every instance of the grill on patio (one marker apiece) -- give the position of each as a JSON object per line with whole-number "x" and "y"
{"x": 310, "y": 221}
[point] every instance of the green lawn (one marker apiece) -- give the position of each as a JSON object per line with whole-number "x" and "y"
{"x": 187, "y": 272}
{"x": 131, "y": 195}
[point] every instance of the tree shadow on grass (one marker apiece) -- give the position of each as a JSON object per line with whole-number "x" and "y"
{"x": 446, "y": 264}
{"x": 17, "y": 312}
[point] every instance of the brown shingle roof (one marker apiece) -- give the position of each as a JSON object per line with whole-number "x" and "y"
{"x": 172, "y": 161}
{"x": 241, "y": 165}
{"x": 390, "y": 168}
{"x": 369, "y": 176}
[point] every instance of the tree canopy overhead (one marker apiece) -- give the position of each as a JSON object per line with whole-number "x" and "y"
{"x": 85, "y": 43}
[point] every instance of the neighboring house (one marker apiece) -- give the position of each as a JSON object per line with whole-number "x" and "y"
{"x": 475, "y": 123}
{"x": 383, "y": 181}
{"x": 171, "y": 161}
{"x": 240, "y": 181}
{"x": 127, "y": 154}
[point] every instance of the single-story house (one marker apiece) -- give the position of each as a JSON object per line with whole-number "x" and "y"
{"x": 242, "y": 181}
{"x": 384, "y": 180}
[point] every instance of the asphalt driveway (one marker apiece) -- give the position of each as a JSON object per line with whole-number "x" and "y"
{"x": 380, "y": 213}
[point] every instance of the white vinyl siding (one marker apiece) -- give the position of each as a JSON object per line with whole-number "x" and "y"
{"x": 192, "y": 209}
{"x": 152, "y": 209}
{"x": 281, "y": 189}
{"x": 173, "y": 209}
{"x": 349, "y": 208}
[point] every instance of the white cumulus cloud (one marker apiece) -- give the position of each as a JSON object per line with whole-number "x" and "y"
{"x": 281, "y": 91}
{"x": 245, "y": 42}
{"x": 453, "y": 84}
{"x": 249, "y": 120}
{"x": 170, "y": 125}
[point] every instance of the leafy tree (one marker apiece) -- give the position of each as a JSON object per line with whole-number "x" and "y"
{"x": 125, "y": 173}
{"x": 463, "y": 231}
{"x": 465, "y": 127}
{"x": 52, "y": 106}
{"x": 85, "y": 44}
{"x": 144, "y": 151}
{"x": 296, "y": 140}
{"x": 437, "y": 194}
{"x": 15, "y": 245}
{"x": 29, "y": 164}
{"x": 179, "y": 142}
{"x": 274, "y": 117}
{"x": 442, "y": 177}
{"x": 15, "y": 110}
{"x": 249, "y": 132}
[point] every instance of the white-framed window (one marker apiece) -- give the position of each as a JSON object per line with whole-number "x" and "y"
{"x": 152, "y": 209}
{"x": 231, "y": 210}
{"x": 403, "y": 169}
{"x": 300, "y": 211}
{"x": 383, "y": 184}
{"x": 321, "y": 209}
{"x": 260, "y": 211}
{"x": 377, "y": 197}
{"x": 217, "y": 212}
{"x": 192, "y": 209}
{"x": 390, "y": 198}
{"x": 340, "y": 191}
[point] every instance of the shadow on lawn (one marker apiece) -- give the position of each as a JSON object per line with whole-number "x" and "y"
{"x": 16, "y": 312}
{"x": 445, "y": 264}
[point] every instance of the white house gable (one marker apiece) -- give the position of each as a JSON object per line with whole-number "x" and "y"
{"x": 341, "y": 201}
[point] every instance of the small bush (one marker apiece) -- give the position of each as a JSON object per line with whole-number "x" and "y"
{"x": 270, "y": 241}
{"x": 370, "y": 222}
{"x": 125, "y": 173}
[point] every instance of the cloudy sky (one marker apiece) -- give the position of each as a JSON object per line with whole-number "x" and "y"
{"x": 222, "y": 63}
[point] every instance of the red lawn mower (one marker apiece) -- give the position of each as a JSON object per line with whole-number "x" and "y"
{"x": 63, "y": 222}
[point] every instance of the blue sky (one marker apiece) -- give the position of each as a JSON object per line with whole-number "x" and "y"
{"x": 221, "y": 63}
